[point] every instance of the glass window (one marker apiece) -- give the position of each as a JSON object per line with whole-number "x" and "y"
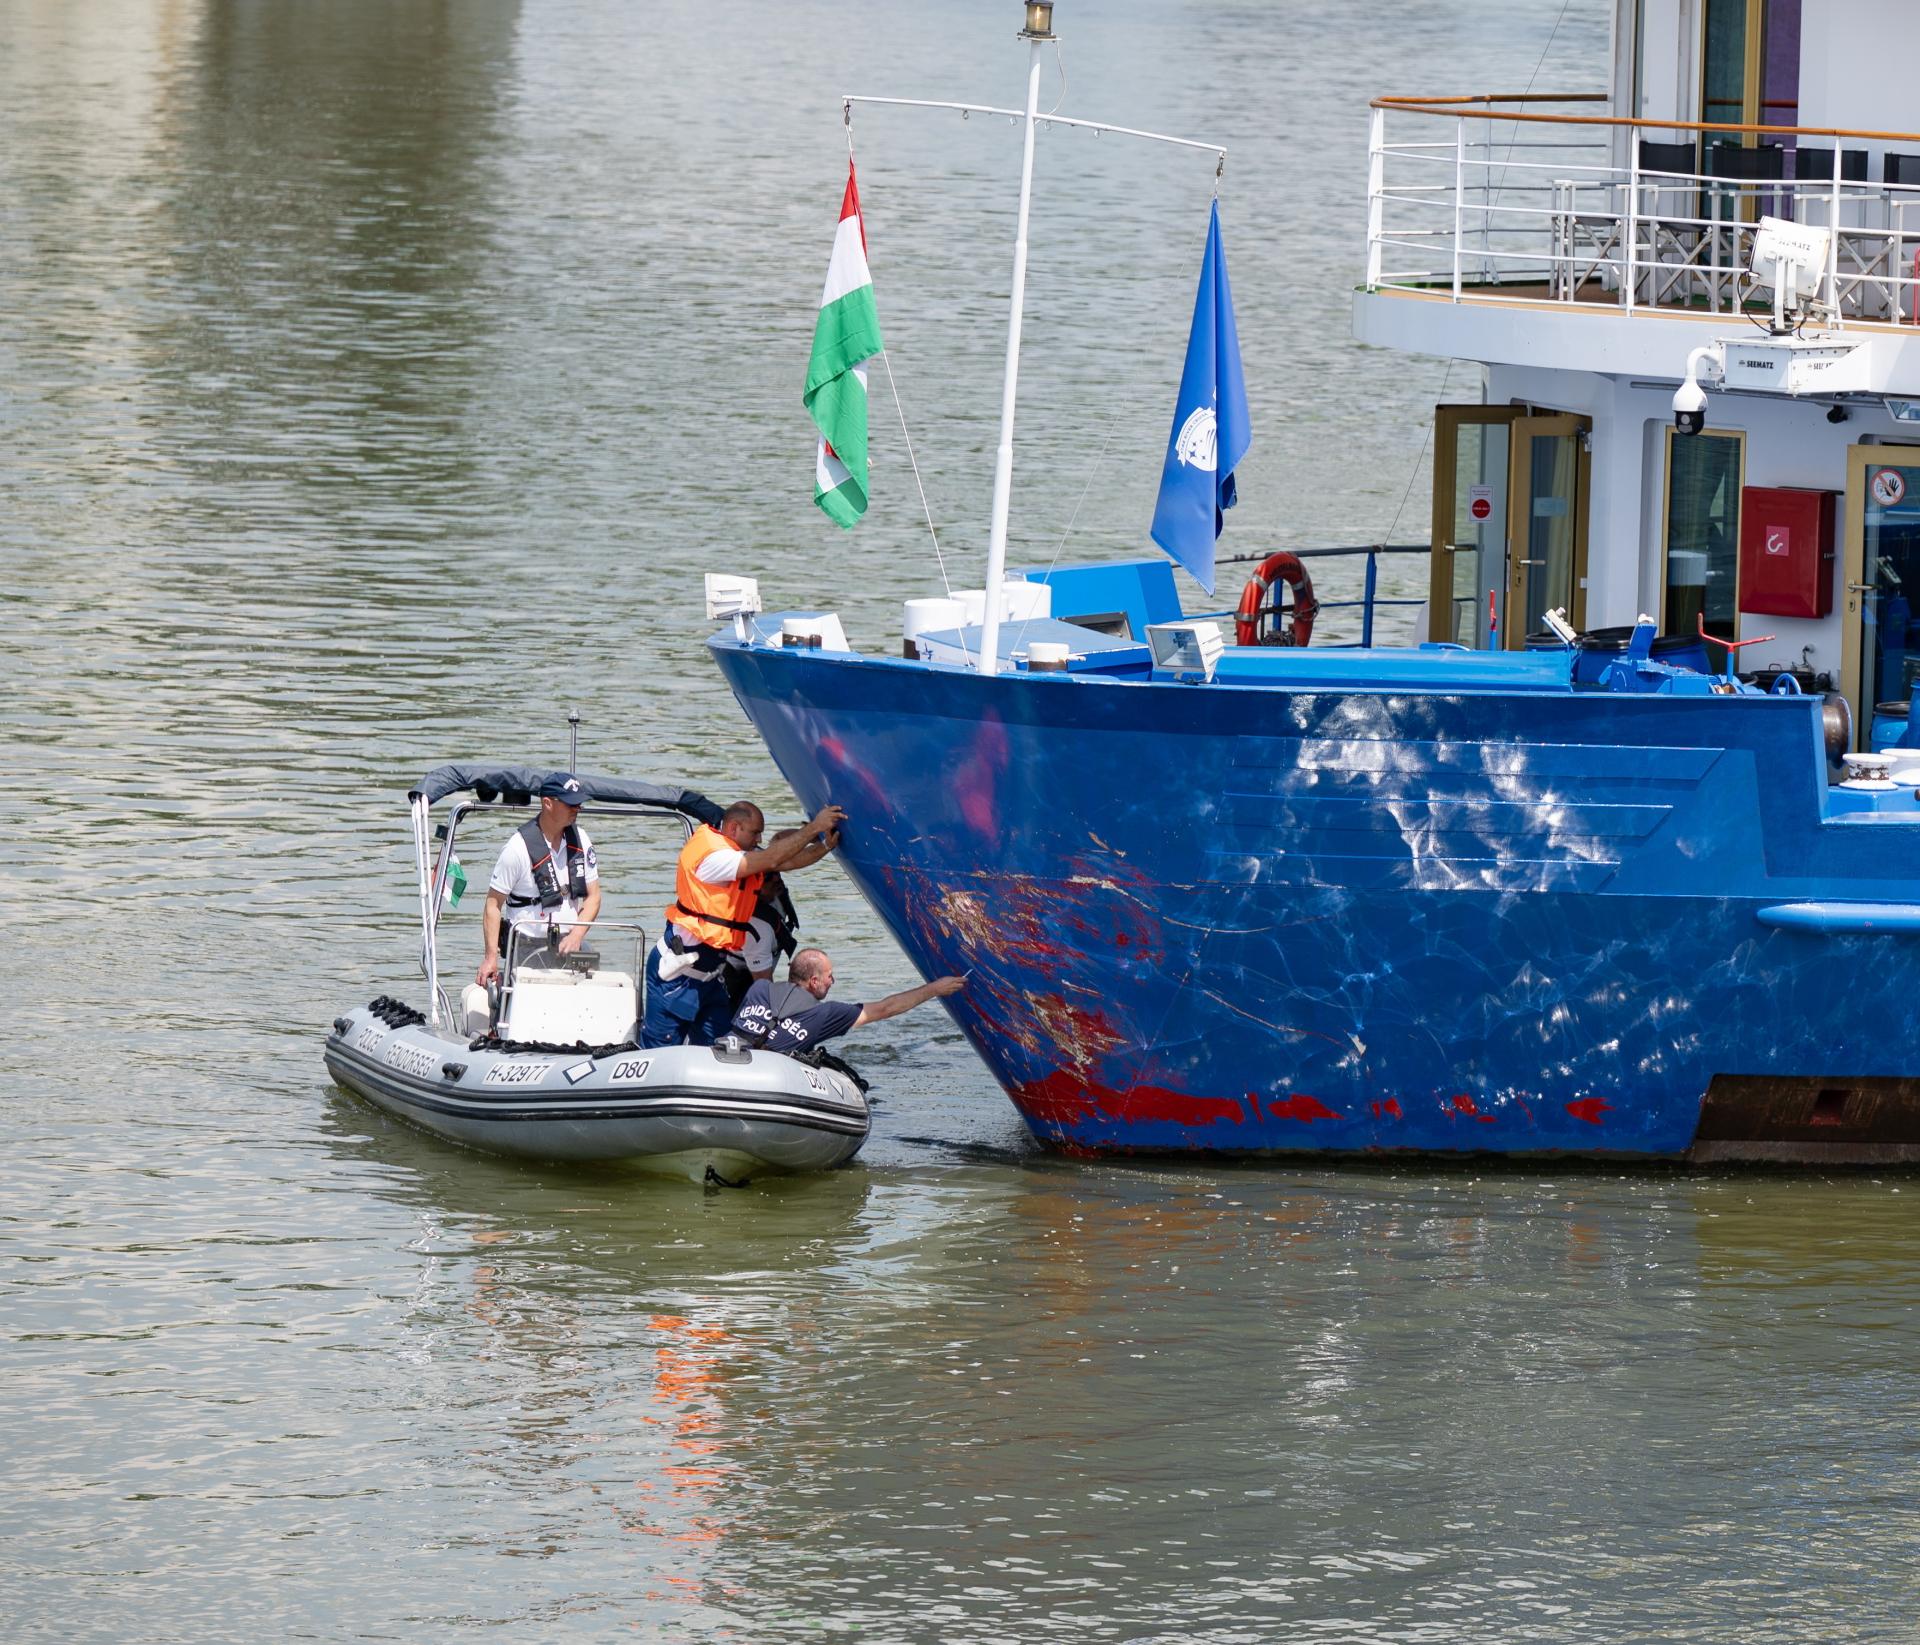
{"x": 1891, "y": 571}
{"x": 1479, "y": 530}
{"x": 1723, "y": 87}
{"x": 1553, "y": 517}
{"x": 1702, "y": 572}
{"x": 1780, "y": 65}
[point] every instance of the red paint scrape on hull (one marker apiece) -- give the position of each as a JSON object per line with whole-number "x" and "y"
{"x": 1061, "y": 1101}
{"x": 1300, "y": 1106}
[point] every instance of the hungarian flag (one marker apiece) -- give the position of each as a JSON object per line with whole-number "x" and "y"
{"x": 845, "y": 337}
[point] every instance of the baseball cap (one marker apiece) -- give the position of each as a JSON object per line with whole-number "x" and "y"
{"x": 563, "y": 786}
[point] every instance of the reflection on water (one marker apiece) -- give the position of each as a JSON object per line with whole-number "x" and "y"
{"x": 1099, "y": 1401}
{"x": 378, "y": 381}
{"x": 1440, "y": 1407}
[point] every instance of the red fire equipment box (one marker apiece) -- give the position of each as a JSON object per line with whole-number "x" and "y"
{"x": 1786, "y": 551}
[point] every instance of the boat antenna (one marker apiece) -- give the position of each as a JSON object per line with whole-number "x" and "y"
{"x": 573, "y": 739}
{"x": 1038, "y": 31}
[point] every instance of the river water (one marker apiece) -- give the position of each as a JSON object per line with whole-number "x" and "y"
{"x": 376, "y": 381}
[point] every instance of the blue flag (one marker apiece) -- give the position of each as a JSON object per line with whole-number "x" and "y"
{"x": 1210, "y": 427}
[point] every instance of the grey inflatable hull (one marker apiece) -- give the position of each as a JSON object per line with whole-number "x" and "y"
{"x": 687, "y": 1111}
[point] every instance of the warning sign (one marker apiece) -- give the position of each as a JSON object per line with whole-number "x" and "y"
{"x": 1480, "y": 502}
{"x": 1888, "y": 486}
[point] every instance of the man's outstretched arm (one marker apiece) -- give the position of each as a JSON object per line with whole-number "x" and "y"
{"x": 896, "y": 1005}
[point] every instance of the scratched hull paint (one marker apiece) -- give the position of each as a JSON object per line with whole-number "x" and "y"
{"x": 1241, "y": 920}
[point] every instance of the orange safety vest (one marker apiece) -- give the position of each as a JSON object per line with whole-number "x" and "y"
{"x": 716, "y": 914}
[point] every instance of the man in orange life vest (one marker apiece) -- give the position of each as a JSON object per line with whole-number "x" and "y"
{"x": 716, "y": 886}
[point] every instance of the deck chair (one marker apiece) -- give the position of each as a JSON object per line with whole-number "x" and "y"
{"x": 1736, "y": 172}
{"x": 1668, "y": 208}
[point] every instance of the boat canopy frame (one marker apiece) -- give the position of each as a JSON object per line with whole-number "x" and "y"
{"x": 513, "y": 788}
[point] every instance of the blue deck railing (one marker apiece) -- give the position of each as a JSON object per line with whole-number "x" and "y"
{"x": 1370, "y": 596}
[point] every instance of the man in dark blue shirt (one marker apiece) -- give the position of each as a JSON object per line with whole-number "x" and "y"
{"x": 796, "y": 1014}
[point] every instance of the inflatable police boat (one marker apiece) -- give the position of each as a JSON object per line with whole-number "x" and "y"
{"x": 545, "y": 1066}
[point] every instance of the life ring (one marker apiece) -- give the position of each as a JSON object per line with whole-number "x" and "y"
{"x": 1253, "y": 602}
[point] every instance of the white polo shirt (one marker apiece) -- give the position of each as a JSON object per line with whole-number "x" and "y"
{"x": 513, "y": 874}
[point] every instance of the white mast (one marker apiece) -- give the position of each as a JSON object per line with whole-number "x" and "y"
{"x": 1038, "y": 32}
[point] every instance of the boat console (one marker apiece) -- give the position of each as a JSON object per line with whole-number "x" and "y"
{"x": 551, "y": 998}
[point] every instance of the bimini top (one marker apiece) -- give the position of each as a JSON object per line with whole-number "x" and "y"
{"x": 516, "y": 785}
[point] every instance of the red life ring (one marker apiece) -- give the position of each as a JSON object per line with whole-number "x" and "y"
{"x": 1253, "y": 602}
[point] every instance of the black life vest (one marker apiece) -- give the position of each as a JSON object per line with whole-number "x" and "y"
{"x": 546, "y": 880}
{"x": 777, "y": 909}
{"x": 774, "y": 907}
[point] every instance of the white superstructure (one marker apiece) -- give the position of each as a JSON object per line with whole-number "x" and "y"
{"x": 1750, "y": 159}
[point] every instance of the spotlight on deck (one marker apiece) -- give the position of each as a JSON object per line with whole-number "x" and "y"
{"x": 1792, "y": 258}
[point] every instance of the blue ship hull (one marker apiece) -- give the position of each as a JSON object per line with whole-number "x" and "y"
{"x": 1243, "y": 919}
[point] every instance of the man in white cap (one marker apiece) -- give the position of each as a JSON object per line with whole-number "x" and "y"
{"x": 546, "y": 875}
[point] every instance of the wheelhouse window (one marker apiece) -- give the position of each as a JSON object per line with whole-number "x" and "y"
{"x": 1750, "y": 63}
{"x": 1700, "y": 556}
{"x": 1724, "y": 67}
{"x": 1750, "y": 75}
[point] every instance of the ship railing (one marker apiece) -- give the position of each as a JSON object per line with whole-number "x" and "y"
{"x": 1338, "y": 629}
{"x": 1521, "y": 204}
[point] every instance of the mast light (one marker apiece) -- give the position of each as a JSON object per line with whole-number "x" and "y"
{"x": 1039, "y": 20}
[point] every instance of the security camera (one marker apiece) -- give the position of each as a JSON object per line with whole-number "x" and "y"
{"x": 1690, "y": 407}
